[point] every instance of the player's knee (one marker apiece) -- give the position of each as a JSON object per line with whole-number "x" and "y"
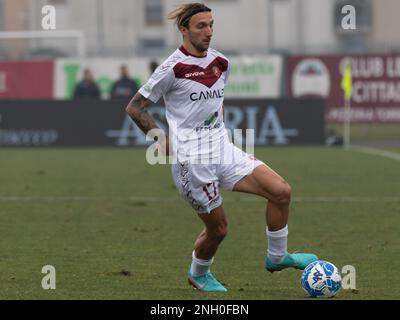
{"x": 284, "y": 195}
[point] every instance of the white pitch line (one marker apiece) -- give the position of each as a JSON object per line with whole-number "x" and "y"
{"x": 309, "y": 199}
{"x": 378, "y": 152}
{"x": 346, "y": 199}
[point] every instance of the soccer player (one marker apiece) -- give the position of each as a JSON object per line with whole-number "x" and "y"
{"x": 192, "y": 81}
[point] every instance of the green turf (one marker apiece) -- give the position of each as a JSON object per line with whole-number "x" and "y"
{"x": 128, "y": 235}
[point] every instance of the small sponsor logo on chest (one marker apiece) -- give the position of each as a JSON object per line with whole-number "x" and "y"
{"x": 195, "y": 74}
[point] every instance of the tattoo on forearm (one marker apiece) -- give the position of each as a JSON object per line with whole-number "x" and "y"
{"x": 140, "y": 115}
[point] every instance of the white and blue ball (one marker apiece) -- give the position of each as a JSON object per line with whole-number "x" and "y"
{"x": 321, "y": 279}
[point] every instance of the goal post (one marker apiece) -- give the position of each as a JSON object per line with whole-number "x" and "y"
{"x": 53, "y": 34}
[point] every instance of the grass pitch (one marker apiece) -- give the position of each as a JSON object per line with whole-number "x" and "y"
{"x": 114, "y": 227}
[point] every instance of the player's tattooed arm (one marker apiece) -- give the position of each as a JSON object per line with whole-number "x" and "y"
{"x": 137, "y": 110}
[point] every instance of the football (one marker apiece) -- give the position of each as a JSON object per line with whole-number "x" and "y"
{"x": 321, "y": 279}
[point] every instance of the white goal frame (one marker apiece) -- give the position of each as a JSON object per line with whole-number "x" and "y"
{"x": 51, "y": 34}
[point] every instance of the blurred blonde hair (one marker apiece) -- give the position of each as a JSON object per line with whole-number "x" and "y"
{"x": 183, "y": 13}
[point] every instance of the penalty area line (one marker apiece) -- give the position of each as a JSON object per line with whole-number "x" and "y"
{"x": 377, "y": 152}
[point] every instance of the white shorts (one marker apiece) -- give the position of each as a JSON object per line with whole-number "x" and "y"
{"x": 199, "y": 184}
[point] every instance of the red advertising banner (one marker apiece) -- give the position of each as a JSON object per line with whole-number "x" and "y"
{"x": 26, "y": 79}
{"x": 376, "y": 85}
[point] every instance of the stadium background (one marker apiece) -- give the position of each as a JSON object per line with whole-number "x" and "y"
{"x": 95, "y": 213}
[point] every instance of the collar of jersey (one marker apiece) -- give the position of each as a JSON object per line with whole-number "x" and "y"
{"x": 187, "y": 53}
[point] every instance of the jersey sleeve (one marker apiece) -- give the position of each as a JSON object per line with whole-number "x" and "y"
{"x": 159, "y": 83}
